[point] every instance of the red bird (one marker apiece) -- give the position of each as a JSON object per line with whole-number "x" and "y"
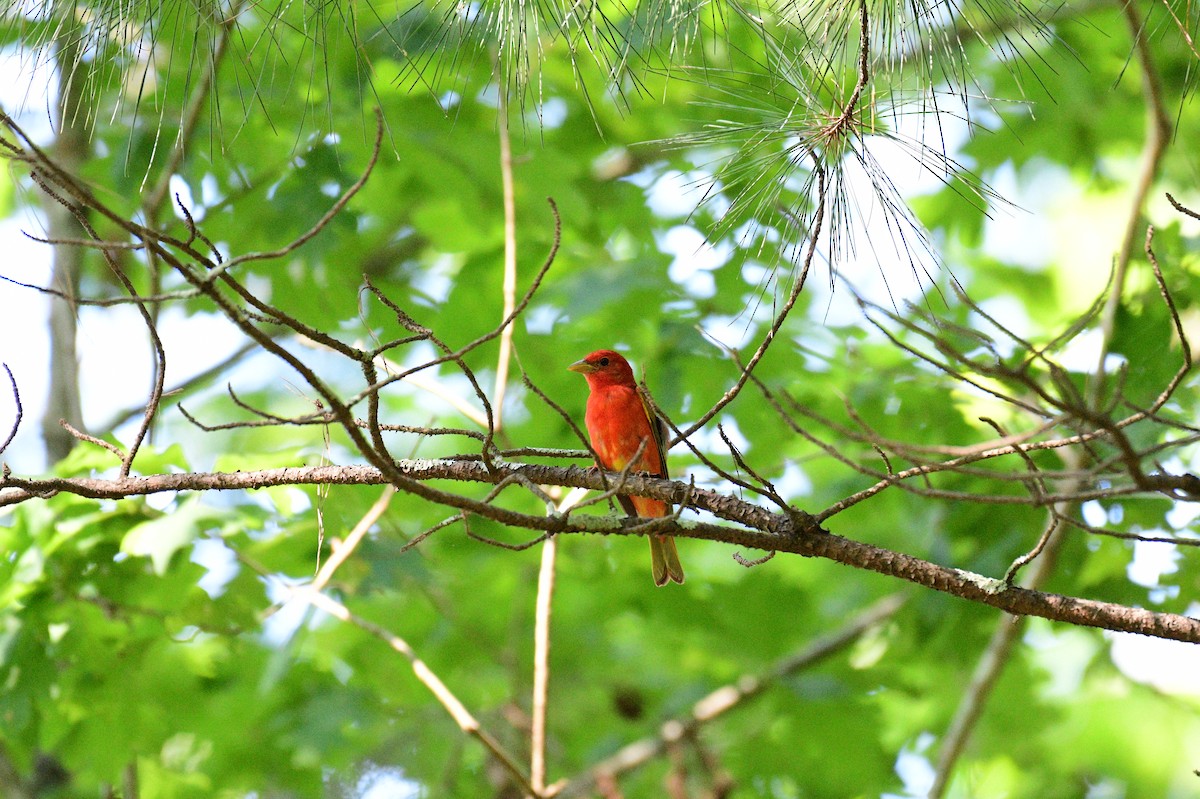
{"x": 620, "y": 422}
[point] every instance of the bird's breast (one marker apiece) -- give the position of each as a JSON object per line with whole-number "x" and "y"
{"x": 617, "y": 425}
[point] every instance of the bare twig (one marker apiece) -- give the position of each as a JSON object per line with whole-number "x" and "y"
{"x": 417, "y": 539}
{"x": 1149, "y": 539}
{"x": 325, "y": 219}
{"x": 750, "y": 563}
{"x": 99, "y": 442}
{"x": 566, "y": 417}
{"x": 1167, "y": 298}
{"x": 1037, "y": 487}
{"x": 1051, "y": 529}
{"x": 20, "y": 412}
{"x": 1182, "y": 208}
{"x": 780, "y": 318}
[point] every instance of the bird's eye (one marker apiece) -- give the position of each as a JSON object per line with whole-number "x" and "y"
{"x": 604, "y": 361}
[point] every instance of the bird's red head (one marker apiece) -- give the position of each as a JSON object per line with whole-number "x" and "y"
{"x": 605, "y": 368}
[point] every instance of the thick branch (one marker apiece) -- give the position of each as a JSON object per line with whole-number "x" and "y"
{"x": 795, "y": 532}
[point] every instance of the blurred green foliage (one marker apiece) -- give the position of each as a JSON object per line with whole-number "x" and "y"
{"x": 148, "y": 632}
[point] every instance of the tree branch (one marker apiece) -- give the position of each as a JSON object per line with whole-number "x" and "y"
{"x": 995, "y": 657}
{"x": 793, "y": 532}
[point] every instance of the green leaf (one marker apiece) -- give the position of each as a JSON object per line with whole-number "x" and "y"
{"x": 159, "y": 539}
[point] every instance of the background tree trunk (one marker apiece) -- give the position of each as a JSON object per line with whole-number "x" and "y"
{"x": 71, "y": 151}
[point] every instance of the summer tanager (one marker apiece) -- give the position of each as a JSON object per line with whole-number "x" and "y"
{"x": 620, "y": 423}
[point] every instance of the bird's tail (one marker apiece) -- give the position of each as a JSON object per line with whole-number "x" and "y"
{"x": 664, "y": 560}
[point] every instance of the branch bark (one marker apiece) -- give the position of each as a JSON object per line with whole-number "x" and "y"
{"x": 794, "y": 532}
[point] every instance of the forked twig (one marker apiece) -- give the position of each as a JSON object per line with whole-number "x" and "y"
{"x": 160, "y": 353}
{"x": 1167, "y": 298}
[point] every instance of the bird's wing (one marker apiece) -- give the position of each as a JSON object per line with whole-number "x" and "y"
{"x": 658, "y": 427}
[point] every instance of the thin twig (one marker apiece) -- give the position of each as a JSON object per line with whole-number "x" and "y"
{"x": 20, "y": 411}
{"x": 1167, "y": 298}
{"x": 1183, "y": 209}
{"x": 566, "y": 417}
{"x": 99, "y": 442}
{"x": 1051, "y": 529}
{"x": 325, "y": 219}
{"x": 417, "y": 539}
{"x": 777, "y": 324}
{"x": 1037, "y": 487}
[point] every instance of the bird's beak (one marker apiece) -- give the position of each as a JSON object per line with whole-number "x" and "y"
{"x": 583, "y": 367}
